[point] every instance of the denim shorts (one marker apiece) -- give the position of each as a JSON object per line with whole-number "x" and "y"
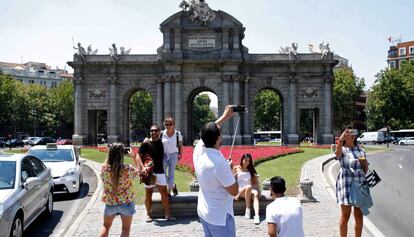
{"x": 126, "y": 209}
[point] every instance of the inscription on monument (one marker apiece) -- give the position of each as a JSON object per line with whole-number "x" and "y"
{"x": 201, "y": 41}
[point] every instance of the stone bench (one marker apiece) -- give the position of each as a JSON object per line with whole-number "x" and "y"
{"x": 185, "y": 204}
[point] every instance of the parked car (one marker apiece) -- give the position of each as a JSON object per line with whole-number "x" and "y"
{"x": 41, "y": 141}
{"x": 26, "y": 191}
{"x": 406, "y": 141}
{"x": 27, "y": 141}
{"x": 66, "y": 165}
{"x": 397, "y": 140}
{"x": 15, "y": 143}
{"x": 64, "y": 142}
{"x": 2, "y": 144}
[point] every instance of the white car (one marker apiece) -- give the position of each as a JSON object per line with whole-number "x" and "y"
{"x": 65, "y": 163}
{"x": 406, "y": 141}
{"x": 26, "y": 191}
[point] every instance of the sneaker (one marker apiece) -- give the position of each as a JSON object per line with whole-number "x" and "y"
{"x": 256, "y": 220}
{"x": 148, "y": 219}
{"x": 174, "y": 189}
{"x": 247, "y": 214}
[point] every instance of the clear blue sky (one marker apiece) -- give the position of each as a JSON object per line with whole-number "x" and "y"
{"x": 42, "y": 30}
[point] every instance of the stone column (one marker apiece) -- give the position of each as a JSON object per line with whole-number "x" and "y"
{"x": 247, "y": 136}
{"x": 236, "y": 101}
{"x": 177, "y": 103}
{"x": 167, "y": 98}
{"x": 113, "y": 135}
{"x": 225, "y": 130}
{"x": 327, "y": 136}
{"x": 78, "y": 136}
{"x": 159, "y": 109}
{"x": 293, "y": 137}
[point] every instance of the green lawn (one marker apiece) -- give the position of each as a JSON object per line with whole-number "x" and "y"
{"x": 289, "y": 167}
{"x": 14, "y": 151}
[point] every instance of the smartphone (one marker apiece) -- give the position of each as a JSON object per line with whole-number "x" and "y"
{"x": 126, "y": 150}
{"x": 353, "y": 132}
{"x": 239, "y": 108}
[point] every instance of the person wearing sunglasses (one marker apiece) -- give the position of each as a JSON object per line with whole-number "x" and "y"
{"x": 172, "y": 142}
{"x": 153, "y": 147}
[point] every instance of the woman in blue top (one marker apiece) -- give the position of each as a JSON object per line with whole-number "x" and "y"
{"x": 353, "y": 165}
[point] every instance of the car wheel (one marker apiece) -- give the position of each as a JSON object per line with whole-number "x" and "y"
{"x": 17, "y": 227}
{"x": 49, "y": 205}
{"x": 402, "y": 143}
{"x": 374, "y": 142}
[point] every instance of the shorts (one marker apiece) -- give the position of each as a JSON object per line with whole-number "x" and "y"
{"x": 126, "y": 209}
{"x": 161, "y": 181}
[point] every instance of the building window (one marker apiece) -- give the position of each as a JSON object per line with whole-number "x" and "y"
{"x": 392, "y": 64}
{"x": 401, "y": 51}
{"x": 402, "y": 61}
{"x": 54, "y": 84}
{"x": 412, "y": 50}
{"x": 31, "y": 81}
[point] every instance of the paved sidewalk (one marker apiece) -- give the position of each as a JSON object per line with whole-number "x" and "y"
{"x": 320, "y": 219}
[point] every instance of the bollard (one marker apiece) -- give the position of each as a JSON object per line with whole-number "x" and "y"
{"x": 306, "y": 186}
{"x": 333, "y": 148}
{"x": 194, "y": 187}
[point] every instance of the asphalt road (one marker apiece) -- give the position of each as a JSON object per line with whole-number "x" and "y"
{"x": 66, "y": 208}
{"x": 393, "y": 197}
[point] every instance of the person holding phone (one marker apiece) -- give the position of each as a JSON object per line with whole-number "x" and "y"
{"x": 118, "y": 195}
{"x": 353, "y": 165}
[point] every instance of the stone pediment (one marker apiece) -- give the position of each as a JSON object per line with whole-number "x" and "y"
{"x": 187, "y": 37}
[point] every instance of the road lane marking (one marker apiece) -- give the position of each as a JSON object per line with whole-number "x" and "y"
{"x": 399, "y": 165}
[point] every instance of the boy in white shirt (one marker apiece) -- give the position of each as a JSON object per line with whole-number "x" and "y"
{"x": 284, "y": 215}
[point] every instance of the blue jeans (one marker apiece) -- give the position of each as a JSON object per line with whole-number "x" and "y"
{"x": 126, "y": 209}
{"x": 229, "y": 230}
{"x": 170, "y": 162}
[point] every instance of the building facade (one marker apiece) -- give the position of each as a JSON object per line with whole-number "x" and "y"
{"x": 402, "y": 52}
{"x": 35, "y": 73}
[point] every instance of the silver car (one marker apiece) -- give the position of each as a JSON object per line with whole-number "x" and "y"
{"x": 26, "y": 191}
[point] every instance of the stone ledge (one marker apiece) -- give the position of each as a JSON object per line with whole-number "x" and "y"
{"x": 185, "y": 204}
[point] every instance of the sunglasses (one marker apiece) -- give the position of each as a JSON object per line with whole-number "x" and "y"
{"x": 168, "y": 124}
{"x": 155, "y": 130}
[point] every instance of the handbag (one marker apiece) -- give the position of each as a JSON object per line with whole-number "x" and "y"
{"x": 372, "y": 178}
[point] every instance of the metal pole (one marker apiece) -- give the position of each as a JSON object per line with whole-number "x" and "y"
{"x": 234, "y": 137}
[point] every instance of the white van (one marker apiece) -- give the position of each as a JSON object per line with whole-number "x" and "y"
{"x": 374, "y": 137}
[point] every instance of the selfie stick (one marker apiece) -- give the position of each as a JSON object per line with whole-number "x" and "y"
{"x": 234, "y": 137}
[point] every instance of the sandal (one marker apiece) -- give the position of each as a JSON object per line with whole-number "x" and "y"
{"x": 174, "y": 189}
{"x": 148, "y": 219}
{"x": 170, "y": 218}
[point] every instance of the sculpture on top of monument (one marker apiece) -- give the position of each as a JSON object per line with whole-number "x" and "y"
{"x": 123, "y": 51}
{"x": 323, "y": 49}
{"x": 80, "y": 51}
{"x": 199, "y": 10}
{"x": 292, "y": 50}
{"x": 113, "y": 51}
{"x": 91, "y": 51}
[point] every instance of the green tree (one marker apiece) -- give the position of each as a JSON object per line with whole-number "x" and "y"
{"x": 346, "y": 89}
{"x": 141, "y": 114}
{"x": 9, "y": 99}
{"x": 391, "y": 100}
{"x": 62, "y": 102}
{"x": 267, "y": 106}
{"x": 202, "y": 113}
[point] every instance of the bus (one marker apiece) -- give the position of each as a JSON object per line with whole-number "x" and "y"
{"x": 399, "y": 134}
{"x": 268, "y": 136}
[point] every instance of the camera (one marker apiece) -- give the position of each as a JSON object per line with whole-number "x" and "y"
{"x": 239, "y": 108}
{"x": 126, "y": 150}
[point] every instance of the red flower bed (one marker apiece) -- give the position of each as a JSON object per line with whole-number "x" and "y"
{"x": 259, "y": 154}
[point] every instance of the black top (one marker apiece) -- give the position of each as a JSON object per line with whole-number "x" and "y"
{"x": 156, "y": 151}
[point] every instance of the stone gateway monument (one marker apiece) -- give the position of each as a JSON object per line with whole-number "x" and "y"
{"x": 202, "y": 50}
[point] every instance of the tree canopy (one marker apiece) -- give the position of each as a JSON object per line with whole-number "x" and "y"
{"x": 202, "y": 113}
{"x": 267, "y": 106}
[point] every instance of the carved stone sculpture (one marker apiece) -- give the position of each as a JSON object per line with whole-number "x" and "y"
{"x": 113, "y": 51}
{"x": 199, "y": 10}
{"x": 81, "y": 52}
{"x": 290, "y": 50}
{"x": 123, "y": 51}
{"x": 91, "y": 51}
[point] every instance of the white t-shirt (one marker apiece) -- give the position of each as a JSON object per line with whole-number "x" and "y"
{"x": 214, "y": 174}
{"x": 170, "y": 143}
{"x": 286, "y": 213}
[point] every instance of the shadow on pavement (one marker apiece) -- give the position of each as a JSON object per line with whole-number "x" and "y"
{"x": 44, "y": 226}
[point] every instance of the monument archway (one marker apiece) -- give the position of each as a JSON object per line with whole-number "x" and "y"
{"x": 202, "y": 48}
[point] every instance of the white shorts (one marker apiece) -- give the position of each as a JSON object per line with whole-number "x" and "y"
{"x": 161, "y": 181}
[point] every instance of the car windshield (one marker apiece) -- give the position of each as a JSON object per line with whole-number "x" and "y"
{"x": 53, "y": 155}
{"x": 7, "y": 174}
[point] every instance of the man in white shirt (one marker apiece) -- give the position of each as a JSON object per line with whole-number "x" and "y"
{"x": 216, "y": 181}
{"x": 284, "y": 215}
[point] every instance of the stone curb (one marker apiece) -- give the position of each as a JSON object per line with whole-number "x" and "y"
{"x": 71, "y": 231}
